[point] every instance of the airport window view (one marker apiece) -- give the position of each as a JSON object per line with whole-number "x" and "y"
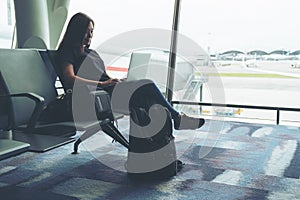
{"x": 238, "y": 52}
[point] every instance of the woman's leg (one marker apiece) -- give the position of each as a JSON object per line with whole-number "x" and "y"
{"x": 144, "y": 94}
{"x": 109, "y": 89}
{"x": 148, "y": 95}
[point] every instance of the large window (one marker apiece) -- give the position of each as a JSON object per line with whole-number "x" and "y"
{"x": 115, "y": 18}
{"x": 7, "y": 23}
{"x": 228, "y": 51}
{"x": 253, "y": 48}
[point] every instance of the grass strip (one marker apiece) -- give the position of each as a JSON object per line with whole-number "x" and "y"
{"x": 249, "y": 75}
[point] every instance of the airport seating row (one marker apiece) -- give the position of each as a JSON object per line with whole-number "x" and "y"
{"x": 27, "y": 86}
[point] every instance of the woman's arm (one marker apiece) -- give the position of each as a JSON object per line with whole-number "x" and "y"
{"x": 70, "y": 77}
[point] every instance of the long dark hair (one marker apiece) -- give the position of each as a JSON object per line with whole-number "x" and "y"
{"x": 76, "y": 30}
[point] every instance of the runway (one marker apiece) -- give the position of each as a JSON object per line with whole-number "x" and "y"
{"x": 269, "y": 83}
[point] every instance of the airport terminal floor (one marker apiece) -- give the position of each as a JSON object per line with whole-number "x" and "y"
{"x": 244, "y": 161}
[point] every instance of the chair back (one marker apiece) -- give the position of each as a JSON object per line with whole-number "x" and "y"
{"x": 24, "y": 71}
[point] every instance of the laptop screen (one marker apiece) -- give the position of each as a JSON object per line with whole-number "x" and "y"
{"x": 138, "y": 66}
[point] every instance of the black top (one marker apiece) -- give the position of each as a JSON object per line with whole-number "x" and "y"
{"x": 87, "y": 64}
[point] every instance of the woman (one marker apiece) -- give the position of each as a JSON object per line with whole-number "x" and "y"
{"x": 74, "y": 51}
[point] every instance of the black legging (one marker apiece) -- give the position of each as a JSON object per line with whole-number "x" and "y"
{"x": 146, "y": 96}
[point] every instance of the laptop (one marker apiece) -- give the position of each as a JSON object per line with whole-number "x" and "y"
{"x": 138, "y": 66}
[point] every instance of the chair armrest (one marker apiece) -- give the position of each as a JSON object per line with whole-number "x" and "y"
{"x": 102, "y": 104}
{"x": 39, "y": 106}
{"x": 98, "y": 92}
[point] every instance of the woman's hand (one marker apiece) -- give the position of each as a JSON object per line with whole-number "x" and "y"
{"x": 115, "y": 80}
{"x": 111, "y": 81}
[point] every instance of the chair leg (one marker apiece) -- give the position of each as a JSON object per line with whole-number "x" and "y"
{"x": 76, "y": 144}
{"x": 113, "y": 132}
{"x": 84, "y": 136}
{"x": 107, "y": 128}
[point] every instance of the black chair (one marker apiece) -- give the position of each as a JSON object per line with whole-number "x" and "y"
{"x": 100, "y": 99}
{"x": 8, "y": 147}
{"x": 27, "y": 87}
{"x": 25, "y": 90}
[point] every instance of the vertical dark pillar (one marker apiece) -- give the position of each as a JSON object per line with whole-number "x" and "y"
{"x": 173, "y": 49}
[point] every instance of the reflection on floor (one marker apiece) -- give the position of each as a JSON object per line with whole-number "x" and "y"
{"x": 223, "y": 160}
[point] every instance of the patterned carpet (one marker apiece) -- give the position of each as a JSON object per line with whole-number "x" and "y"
{"x": 239, "y": 161}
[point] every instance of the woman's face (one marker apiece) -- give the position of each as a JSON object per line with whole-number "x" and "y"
{"x": 88, "y": 35}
